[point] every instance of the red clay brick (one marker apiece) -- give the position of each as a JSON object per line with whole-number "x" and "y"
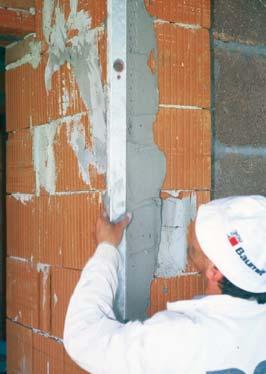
{"x": 45, "y": 298}
{"x": 183, "y": 65}
{"x": 20, "y": 171}
{"x": 81, "y": 212}
{"x": 19, "y": 348}
{"x": 20, "y": 168}
{"x": 69, "y": 98}
{"x": 48, "y": 355}
{"x": 18, "y": 4}
{"x": 173, "y": 289}
{"x": 56, "y": 230}
{"x": 69, "y": 177}
{"x": 63, "y": 282}
{"x": 190, "y": 12}
{"x": 22, "y": 228}
{"x": 96, "y": 9}
{"x": 25, "y": 91}
{"x": 22, "y": 293}
{"x": 102, "y": 47}
{"x": 67, "y": 229}
{"x": 185, "y": 138}
{"x": 16, "y": 23}
{"x": 51, "y": 230}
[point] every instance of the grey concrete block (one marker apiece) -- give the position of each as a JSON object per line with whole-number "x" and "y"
{"x": 239, "y": 175}
{"x": 240, "y": 91}
{"x": 242, "y": 20}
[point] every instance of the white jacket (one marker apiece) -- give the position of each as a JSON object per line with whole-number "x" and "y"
{"x": 215, "y": 334}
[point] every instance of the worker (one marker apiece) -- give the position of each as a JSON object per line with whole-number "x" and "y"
{"x": 222, "y": 332}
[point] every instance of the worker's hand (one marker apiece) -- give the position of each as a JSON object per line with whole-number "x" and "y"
{"x": 111, "y": 233}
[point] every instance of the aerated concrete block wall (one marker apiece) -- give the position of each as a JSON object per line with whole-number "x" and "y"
{"x": 239, "y": 91}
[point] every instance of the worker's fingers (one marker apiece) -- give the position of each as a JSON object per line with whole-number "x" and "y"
{"x": 104, "y": 216}
{"x": 125, "y": 221}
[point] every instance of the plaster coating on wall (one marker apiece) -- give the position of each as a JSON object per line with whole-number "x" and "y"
{"x": 81, "y": 52}
{"x": 33, "y": 57}
{"x": 176, "y": 215}
{"x": 45, "y": 270}
{"x": 23, "y": 198}
{"x": 145, "y": 163}
{"x": 44, "y": 157}
{"x": 77, "y": 140}
{"x": 65, "y": 99}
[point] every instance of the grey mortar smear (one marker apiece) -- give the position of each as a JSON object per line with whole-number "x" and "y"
{"x": 33, "y": 57}
{"x": 77, "y": 140}
{"x": 146, "y": 165}
{"x": 44, "y": 154}
{"x": 81, "y": 52}
{"x": 176, "y": 215}
{"x": 44, "y": 157}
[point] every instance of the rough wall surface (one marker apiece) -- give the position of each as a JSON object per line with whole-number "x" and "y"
{"x": 182, "y": 130}
{"x": 54, "y": 183}
{"x": 239, "y": 89}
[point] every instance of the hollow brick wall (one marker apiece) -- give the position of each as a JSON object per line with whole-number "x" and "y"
{"x": 50, "y": 237}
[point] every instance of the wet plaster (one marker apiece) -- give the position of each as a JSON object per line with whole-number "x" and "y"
{"x": 145, "y": 163}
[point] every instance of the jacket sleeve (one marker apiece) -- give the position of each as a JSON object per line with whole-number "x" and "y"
{"x": 98, "y": 343}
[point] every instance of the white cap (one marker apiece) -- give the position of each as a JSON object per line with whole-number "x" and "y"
{"x": 232, "y": 234}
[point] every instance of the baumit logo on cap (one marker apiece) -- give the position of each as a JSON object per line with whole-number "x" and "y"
{"x": 235, "y": 241}
{"x": 234, "y": 238}
{"x": 232, "y": 234}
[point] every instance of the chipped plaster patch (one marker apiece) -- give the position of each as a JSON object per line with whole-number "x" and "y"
{"x": 45, "y": 269}
{"x": 176, "y": 216}
{"x": 76, "y": 135}
{"x": 55, "y": 299}
{"x": 23, "y": 198}
{"x": 65, "y": 99}
{"x": 44, "y": 157}
{"x": 33, "y": 57}
{"x": 77, "y": 140}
